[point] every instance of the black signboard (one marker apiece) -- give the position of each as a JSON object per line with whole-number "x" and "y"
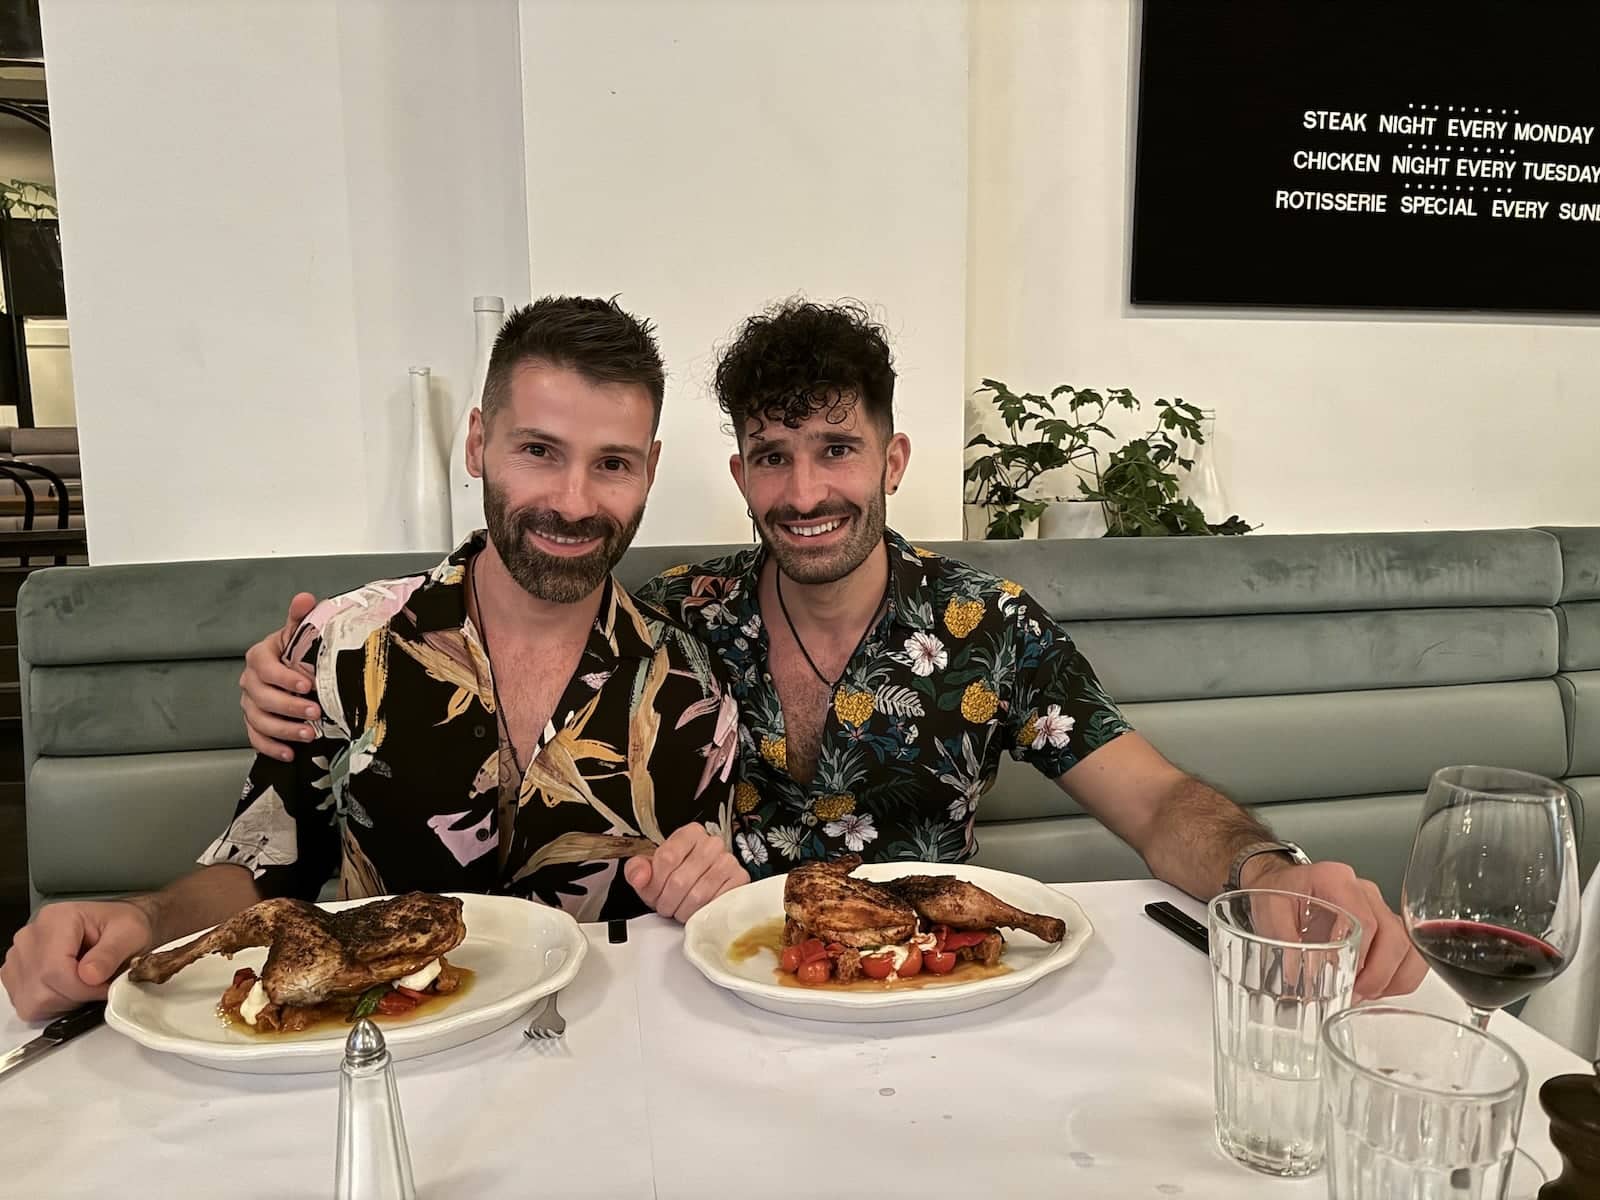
{"x": 1369, "y": 154}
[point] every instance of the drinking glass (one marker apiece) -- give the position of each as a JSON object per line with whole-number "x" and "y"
{"x": 1419, "y": 1107}
{"x": 1281, "y": 963}
{"x": 1491, "y": 891}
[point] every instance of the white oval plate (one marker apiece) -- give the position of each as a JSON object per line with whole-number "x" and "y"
{"x": 519, "y": 950}
{"x": 711, "y": 931}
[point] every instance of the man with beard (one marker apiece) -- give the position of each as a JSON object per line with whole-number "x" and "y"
{"x": 510, "y": 722}
{"x": 878, "y": 683}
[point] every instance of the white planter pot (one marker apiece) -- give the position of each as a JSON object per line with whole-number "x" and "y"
{"x": 1073, "y": 519}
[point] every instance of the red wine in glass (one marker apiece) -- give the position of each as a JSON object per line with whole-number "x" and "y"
{"x": 1491, "y": 890}
{"x": 1487, "y": 966}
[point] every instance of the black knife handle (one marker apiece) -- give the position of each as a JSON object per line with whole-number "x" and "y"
{"x": 79, "y": 1020}
{"x": 1181, "y": 923}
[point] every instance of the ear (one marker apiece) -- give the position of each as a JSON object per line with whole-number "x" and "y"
{"x": 650, "y": 465}
{"x": 896, "y": 457}
{"x": 736, "y": 469}
{"x": 475, "y": 438}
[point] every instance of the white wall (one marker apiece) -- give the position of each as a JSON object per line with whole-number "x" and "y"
{"x": 706, "y": 157}
{"x": 1325, "y": 422}
{"x": 269, "y": 212}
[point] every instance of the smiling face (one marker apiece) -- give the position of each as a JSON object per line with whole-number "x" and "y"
{"x": 567, "y": 464}
{"x": 817, "y": 491}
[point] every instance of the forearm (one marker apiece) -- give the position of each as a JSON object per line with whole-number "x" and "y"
{"x": 200, "y": 899}
{"x": 1196, "y": 833}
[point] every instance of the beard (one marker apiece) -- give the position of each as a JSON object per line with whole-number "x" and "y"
{"x": 835, "y": 562}
{"x": 559, "y": 579}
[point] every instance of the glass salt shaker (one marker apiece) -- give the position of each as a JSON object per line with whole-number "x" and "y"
{"x": 373, "y": 1162}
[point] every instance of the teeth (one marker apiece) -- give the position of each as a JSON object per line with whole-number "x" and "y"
{"x": 565, "y": 541}
{"x": 814, "y": 530}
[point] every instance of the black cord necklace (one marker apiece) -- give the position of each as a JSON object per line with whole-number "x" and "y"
{"x": 494, "y": 686}
{"x": 831, "y": 684}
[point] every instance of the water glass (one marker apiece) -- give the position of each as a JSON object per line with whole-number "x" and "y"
{"x": 1419, "y": 1107}
{"x": 1281, "y": 964}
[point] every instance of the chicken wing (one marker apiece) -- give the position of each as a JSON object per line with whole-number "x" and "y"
{"x": 853, "y": 912}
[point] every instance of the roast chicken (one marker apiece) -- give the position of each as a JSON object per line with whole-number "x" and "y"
{"x": 315, "y": 955}
{"x": 825, "y": 899}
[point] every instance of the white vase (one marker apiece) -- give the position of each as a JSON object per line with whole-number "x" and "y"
{"x": 1073, "y": 519}
{"x": 466, "y": 491}
{"x": 430, "y": 488}
{"x": 1201, "y": 483}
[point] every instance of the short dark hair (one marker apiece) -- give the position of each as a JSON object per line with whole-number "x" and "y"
{"x": 595, "y": 338}
{"x": 799, "y": 358}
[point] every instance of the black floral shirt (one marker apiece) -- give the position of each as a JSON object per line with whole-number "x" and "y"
{"x": 408, "y": 785}
{"x": 961, "y": 667}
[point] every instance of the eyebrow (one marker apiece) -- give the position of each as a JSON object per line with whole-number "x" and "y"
{"x": 831, "y": 436}
{"x": 529, "y": 434}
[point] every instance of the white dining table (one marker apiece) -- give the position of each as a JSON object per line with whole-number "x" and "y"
{"x": 1095, "y": 1082}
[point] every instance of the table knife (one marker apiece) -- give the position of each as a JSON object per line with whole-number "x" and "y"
{"x": 1181, "y": 923}
{"x": 58, "y": 1032}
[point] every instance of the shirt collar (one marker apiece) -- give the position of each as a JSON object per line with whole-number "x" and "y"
{"x": 620, "y": 628}
{"x": 910, "y": 597}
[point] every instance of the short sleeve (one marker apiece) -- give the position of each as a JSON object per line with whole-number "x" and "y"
{"x": 284, "y": 829}
{"x": 1057, "y": 713}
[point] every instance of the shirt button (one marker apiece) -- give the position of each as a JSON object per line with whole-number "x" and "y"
{"x": 482, "y": 835}
{"x": 479, "y": 731}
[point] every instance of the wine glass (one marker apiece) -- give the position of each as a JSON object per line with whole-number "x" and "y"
{"x": 1491, "y": 891}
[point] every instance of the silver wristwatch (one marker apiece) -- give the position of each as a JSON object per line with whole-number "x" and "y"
{"x": 1295, "y": 854}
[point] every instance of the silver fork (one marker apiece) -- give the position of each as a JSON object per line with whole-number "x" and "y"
{"x": 547, "y": 1024}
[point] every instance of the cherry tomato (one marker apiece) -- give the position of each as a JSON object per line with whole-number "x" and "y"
{"x": 243, "y": 975}
{"x": 411, "y": 993}
{"x": 812, "y": 949}
{"x": 818, "y": 970}
{"x": 789, "y": 960}
{"x": 912, "y": 965}
{"x": 878, "y": 966}
{"x": 939, "y": 962}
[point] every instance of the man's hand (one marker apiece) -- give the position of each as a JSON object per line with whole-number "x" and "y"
{"x": 688, "y": 871}
{"x": 68, "y": 954}
{"x": 1387, "y": 965}
{"x": 276, "y": 711}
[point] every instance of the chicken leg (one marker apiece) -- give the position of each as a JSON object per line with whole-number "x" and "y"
{"x": 944, "y": 900}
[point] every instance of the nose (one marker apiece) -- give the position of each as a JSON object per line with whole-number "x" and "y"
{"x": 808, "y": 490}
{"x": 574, "y": 499}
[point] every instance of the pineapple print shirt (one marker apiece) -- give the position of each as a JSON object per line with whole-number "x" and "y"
{"x": 403, "y": 786}
{"x": 961, "y": 668}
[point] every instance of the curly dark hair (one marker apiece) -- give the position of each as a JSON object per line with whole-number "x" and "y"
{"x": 595, "y": 338}
{"x": 798, "y": 358}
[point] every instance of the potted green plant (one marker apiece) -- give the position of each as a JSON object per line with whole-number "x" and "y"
{"x": 1138, "y": 490}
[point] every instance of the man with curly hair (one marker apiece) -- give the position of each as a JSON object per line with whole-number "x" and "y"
{"x": 878, "y": 683}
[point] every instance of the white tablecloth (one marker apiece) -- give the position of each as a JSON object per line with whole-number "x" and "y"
{"x": 1094, "y": 1083}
